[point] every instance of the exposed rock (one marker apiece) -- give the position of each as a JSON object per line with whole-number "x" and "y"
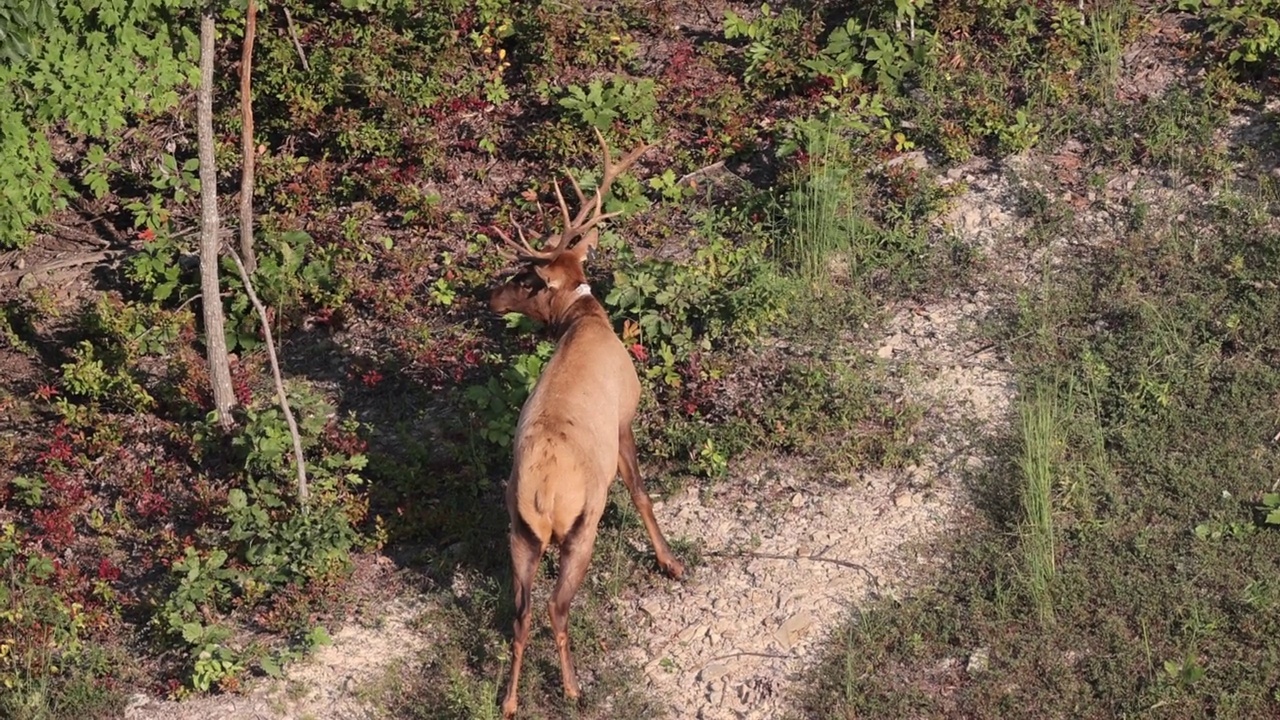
{"x": 979, "y": 661}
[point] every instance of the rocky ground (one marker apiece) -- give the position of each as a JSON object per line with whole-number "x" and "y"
{"x": 787, "y": 558}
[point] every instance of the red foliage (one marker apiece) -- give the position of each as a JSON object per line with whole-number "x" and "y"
{"x": 682, "y": 56}
{"x": 819, "y": 86}
{"x": 54, "y": 526}
{"x": 152, "y": 503}
{"x": 240, "y": 387}
{"x": 108, "y": 571}
{"x": 60, "y": 449}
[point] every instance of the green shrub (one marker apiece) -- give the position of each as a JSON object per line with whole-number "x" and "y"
{"x": 600, "y": 105}
{"x": 777, "y": 45}
{"x": 293, "y": 273}
{"x": 85, "y": 69}
{"x": 495, "y": 404}
{"x": 41, "y": 630}
{"x": 723, "y": 294}
{"x": 266, "y": 542}
{"x": 1245, "y": 32}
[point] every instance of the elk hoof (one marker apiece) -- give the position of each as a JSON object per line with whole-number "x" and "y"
{"x": 674, "y": 568}
{"x": 508, "y": 709}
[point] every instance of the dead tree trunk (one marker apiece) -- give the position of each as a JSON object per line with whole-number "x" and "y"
{"x": 224, "y": 398}
{"x": 246, "y": 139}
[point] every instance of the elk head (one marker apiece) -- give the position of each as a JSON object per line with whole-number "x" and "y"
{"x": 552, "y": 278}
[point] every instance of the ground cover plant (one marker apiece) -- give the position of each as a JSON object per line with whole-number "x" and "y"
{"x": 145, "y": 547}
{"x": 1122, "y": 548}
{"x": 1133, "y": 574}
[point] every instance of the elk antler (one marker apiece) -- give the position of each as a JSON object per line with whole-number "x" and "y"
{"x": 589, "y": 214}
{"x": 523, "y": 249}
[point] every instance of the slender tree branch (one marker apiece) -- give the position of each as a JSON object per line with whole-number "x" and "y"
{"x": 304, "y": 493}
{"x": 224, "y": 397}
{"x": 246, "y": 138}
{"x": 293, "y": 35}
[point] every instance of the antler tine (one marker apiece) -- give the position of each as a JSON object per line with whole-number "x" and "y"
{"x": 580, "y": 230}
{"x": 582, "y": 199}
{"x": 589, "y": 211}
{"x": 522, "y": 248}
{"x": 612, "y": 171}
{"x": 564, "y": 209}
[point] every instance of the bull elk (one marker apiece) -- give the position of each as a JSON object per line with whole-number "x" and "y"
{"x": 574, "y": 434}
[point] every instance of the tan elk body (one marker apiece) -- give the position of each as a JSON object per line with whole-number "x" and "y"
{"x": 574, "y": 434}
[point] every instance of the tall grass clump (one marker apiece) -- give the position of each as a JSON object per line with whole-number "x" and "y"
{"x": 1039, "y": 425}
{"x": 824, "y": 219}
{"x": 818, "y": 231}
{"x": 1106, "y": 29}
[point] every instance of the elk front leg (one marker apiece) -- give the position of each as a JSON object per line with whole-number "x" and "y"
{"x": 575, "y": 556}
{"x": 526, "y": 550}
{"x": 629, "y": 468}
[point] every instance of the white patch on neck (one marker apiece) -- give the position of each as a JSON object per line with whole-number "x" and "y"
{"x": 581, "y": 291}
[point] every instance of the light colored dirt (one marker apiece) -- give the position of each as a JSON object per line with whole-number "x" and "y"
{"x": 788, "y": 556}
{"x": 325, "y": 685}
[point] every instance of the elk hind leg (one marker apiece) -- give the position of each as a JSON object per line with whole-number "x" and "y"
{"x": 575, "y": 556}
{"x": 526, "y": 551}
{"x": 629, "y": 469}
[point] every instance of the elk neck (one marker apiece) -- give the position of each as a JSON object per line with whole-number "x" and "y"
{"x": 578, "y": 304}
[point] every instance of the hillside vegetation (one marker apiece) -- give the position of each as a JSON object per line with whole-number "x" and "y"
{"x": 1117, "y": 557}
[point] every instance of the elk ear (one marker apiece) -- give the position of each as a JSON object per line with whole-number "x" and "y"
{"x": 547, "y": 276}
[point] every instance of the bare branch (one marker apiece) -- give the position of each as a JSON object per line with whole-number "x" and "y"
{"x": 73, "y": 261}
{"x": 293, "y": 35}
{"x": 246, "y": 138}
{"x": 304, "y": 492}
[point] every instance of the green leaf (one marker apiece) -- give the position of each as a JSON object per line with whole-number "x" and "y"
{"x": 271, "y": 666}
{"x": 163, "y": 291}
{"x": 319, "y": 636}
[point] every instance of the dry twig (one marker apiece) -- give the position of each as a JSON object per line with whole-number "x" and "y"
{"x": 73, "y": 261}
{"x": 303, "y": 491}
{"x": 293, "y": 35}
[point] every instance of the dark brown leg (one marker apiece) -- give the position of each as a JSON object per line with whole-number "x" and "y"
{"x": 629, "y": 468}
{"x": 575, "y": 556}
{"x": 526, "y": 551}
